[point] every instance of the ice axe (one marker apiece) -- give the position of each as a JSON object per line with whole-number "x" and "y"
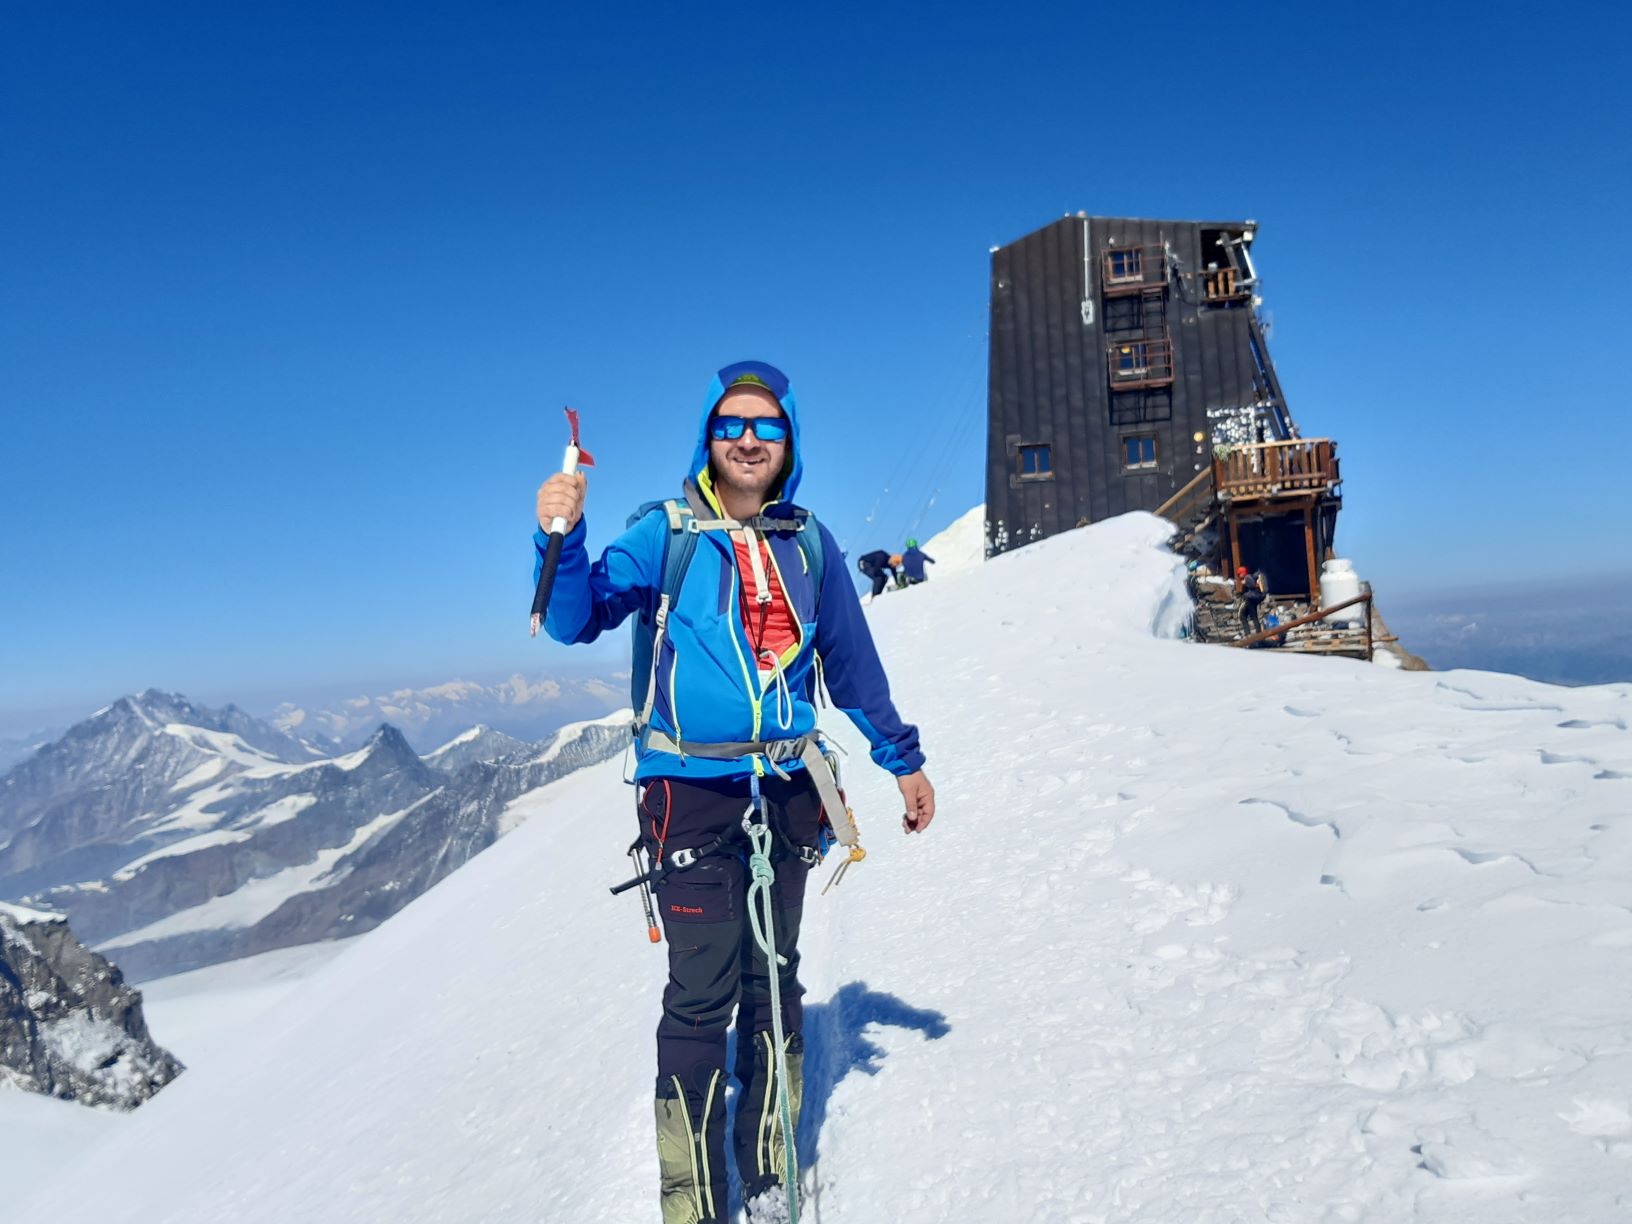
{"x": 576, "y": 456}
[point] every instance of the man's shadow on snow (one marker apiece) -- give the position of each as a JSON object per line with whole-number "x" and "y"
{"x": 836, "y": 1044}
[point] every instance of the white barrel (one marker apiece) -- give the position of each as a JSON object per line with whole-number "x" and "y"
{"x": 1338, "y": 584}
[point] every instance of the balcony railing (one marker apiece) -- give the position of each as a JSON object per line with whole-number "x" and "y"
{"x": 1134, "y": 269}
{"x": 1276, "y": 469}
{"x": 1140, "y": 363}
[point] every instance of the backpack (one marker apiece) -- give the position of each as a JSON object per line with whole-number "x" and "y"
{"x": 678, "y": 547}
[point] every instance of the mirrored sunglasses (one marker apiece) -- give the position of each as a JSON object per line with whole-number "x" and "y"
{"x": 730, "y": 428}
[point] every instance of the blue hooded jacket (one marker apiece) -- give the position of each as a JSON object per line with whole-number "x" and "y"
{"x": 708, "y": 689}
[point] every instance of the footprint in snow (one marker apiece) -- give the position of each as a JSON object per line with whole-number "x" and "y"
{"x": 1481, "y": 857}
{"x": 1598, "y": 1117}
{"x": 1559, "y": 758}
{"x": 1519, "y": 708}
{"x": 1473, "y": 1156}
{"x": 1295, "y": 816}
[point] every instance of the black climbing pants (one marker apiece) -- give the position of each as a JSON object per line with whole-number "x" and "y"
{"x": 715, "y": 967}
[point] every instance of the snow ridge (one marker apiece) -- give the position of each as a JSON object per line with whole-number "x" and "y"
{"x": 1199, "y": 936}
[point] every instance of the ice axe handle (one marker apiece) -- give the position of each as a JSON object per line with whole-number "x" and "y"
{"x": 546, "y": 576}
{"x": 552, "y": 551}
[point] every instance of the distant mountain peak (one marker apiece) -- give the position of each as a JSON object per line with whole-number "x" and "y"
{"x": 157, "y": 703}
{"x": 386, "y": 751}
{"x": 479, "y": 743}
{"x": 526, "y": 708}
{"x": 389, "y": 739}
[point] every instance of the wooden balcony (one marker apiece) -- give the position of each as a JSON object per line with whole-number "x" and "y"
{"x": 1136, "y": 362}
{"x": 1224, "y": 285}
{"x": 1272, "y": 470}
{"x": 1134, "y": 269}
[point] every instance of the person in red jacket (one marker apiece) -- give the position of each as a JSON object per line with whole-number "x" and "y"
{"x": 1250, "y": 589}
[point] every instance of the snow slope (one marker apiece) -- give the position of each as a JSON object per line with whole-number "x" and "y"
{"x": 198, "y": 1015}
{"x": 1199, "y": 936}
{"x": 40, "y": 1135}
{"x": 961, "y": 546}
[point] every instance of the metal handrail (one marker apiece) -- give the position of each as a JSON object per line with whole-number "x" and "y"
{"x": 1152, "y": 356}
{"x": 1183, "y": 496}
{"x": 1317, "y": 614}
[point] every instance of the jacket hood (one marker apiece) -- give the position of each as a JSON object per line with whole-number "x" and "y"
{"x": 777, "y": 383}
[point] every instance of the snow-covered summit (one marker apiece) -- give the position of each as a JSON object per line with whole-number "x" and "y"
{"x": 962, "y": 545}
{"x": 1199, "y": 935}
{"x": 614, "y": 725}
{"x": 23, "y": 915}
{"x": 479, "y": 743}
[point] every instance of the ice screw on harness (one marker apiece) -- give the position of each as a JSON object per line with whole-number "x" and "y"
{"x": 761, "y": 917}
{"x": 652, "y": 931}
{"x": 575, "y": 456}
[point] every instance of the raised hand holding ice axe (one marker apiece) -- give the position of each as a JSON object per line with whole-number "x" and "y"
{"x": 560, "y": 506}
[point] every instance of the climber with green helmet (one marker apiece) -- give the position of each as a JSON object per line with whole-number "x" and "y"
{"x": 912, "y": 563}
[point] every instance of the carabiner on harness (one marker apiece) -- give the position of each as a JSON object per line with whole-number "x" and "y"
{"x": 678, "y": 860}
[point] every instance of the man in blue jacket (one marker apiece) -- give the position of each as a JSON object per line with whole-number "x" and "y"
{"x": 730, "y": 711}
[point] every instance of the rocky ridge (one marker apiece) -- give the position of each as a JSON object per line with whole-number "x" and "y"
{"x": 70, "y": 1025}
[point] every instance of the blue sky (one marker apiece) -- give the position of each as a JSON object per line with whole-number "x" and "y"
{"x": 294, "y": 293}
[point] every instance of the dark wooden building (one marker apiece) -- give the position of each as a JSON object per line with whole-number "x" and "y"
{"x": 1129, "y": 371}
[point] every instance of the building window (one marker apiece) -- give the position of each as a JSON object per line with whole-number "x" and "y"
{"x": 1035, "y": 462}
{"x": 1135, "y": 269}
{"x": 1139, "y": 452}
{"x": 1124, "y": 265}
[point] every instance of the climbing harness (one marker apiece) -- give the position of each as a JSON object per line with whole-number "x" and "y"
{"x": 837, "y": 825}
{"x": 762, "y": 918}
{"x": 650, "y": 876}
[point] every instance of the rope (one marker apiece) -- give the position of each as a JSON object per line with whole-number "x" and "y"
{"x": 761, "y": 876}
{"x": 905, "y": 472}
{"x": 784, "y": 698}
{"x": 966, "y": 424}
